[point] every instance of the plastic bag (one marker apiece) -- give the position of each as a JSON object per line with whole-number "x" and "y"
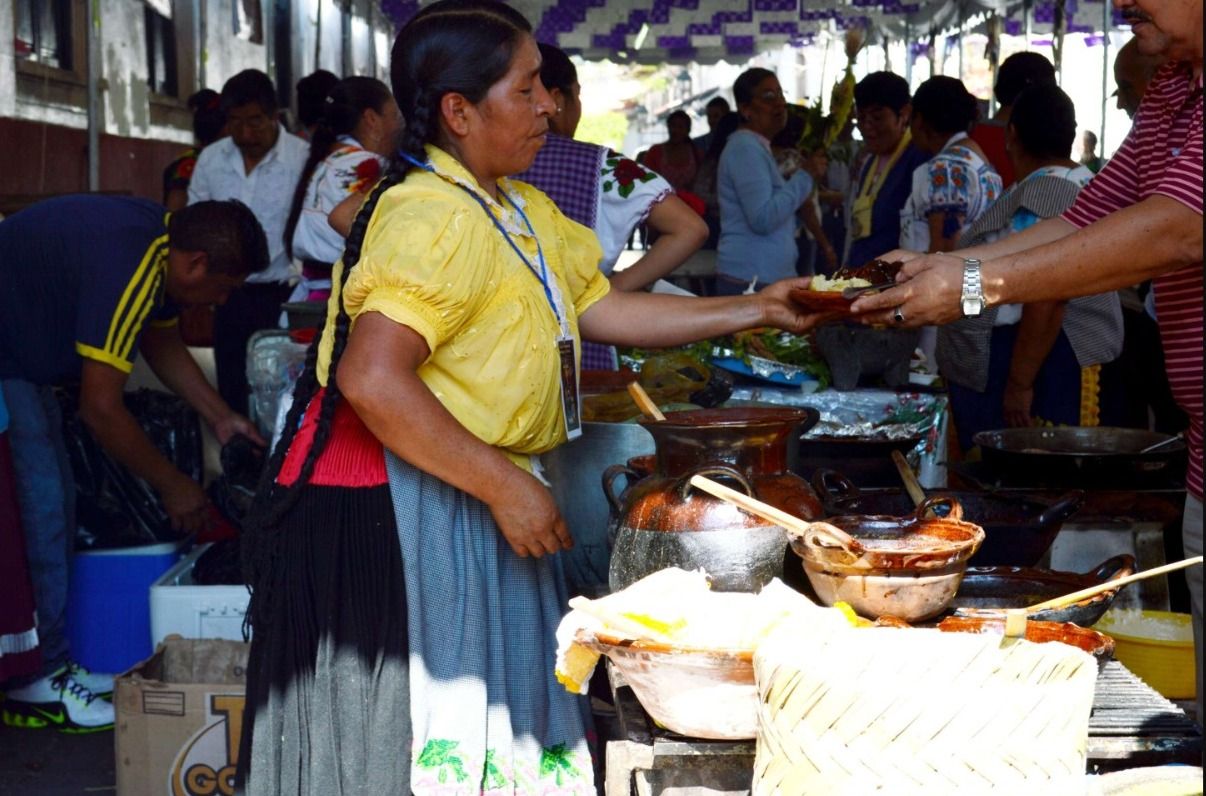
{"x": 114, "y": 507}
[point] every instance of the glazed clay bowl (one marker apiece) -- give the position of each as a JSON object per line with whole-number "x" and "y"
{"x": 910, "y": 567}
{"x": 700, "y": 693}
{"x": 1099, "y": 645}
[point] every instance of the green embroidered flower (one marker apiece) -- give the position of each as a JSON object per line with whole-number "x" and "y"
{"x": 492, "y": 776}
{"x": 555, "y": 761}
{"x": 441, "y": 755}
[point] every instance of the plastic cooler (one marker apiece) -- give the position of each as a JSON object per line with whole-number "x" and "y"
{"x": 108, "y": 604}
{"x": 180, "y": 605}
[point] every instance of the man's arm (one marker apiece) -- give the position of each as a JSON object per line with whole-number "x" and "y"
{"x": 1051, "y": 260}
{"x": 1037, "y": 332}
{"x": 199, "y": 188}
{"x": 104, "y": 413}
{"x": 169, "y": 358}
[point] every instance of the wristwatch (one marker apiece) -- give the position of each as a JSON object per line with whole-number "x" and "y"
{"x": 973, "y": 292}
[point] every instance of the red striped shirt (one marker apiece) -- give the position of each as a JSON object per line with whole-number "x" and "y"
{"x": 1162, "y": 155}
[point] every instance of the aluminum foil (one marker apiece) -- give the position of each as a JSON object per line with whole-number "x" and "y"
{"x": 871, "y": 414}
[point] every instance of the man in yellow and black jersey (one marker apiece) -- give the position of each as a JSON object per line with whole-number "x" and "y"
{"x": 88, "y": 283}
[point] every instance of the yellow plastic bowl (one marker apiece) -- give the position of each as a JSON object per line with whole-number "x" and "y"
{"x": 1166, "y": 664}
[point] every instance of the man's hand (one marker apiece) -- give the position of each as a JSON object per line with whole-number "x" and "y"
{"x": 928, "y": 292}
{"x": 1016, "y": 404}
{"x": 233, "y": 423}
{"x": 186, "y": 504}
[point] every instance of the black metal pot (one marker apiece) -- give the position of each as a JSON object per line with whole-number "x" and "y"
{"x": 1017, "y": 587}
{"x": 1099, "y": 458}
{"x": 1018, "y": 531}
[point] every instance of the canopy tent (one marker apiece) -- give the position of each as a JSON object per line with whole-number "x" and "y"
{"x": 707, "y": 31}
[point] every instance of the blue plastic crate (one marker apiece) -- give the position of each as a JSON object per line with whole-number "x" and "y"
{"x": 109, "y": 604}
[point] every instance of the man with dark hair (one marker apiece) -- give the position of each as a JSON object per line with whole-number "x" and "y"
{"x": 259, "y": 163}
{"x": 312, "y": 93}
{"x": 716, "y": 108}
{"x": 89, "y": 283}
{"x": 1013, "y": 75}
{"x": 1088, "y": 152}
{"x": 883, "y": 182}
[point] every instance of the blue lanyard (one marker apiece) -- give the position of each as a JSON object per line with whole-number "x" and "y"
{"x": 543, "y": 274}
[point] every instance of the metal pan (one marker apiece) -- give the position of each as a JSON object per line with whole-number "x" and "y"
{"x": 1018, "y": 530}
{"x": 1100, "y": 458}
{"x": 1019, "y": 587}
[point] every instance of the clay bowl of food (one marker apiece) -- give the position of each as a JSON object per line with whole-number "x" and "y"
{"x": 838, "y": 292}
{"x": 909, "y": 567}
{"x": 1099, "y": 645}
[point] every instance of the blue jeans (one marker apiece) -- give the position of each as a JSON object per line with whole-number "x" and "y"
{"x": 46, "y": 497}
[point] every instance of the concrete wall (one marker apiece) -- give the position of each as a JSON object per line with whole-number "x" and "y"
{"x": 43, "y": 116}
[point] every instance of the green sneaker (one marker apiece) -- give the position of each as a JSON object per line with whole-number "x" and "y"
{"x": 59, "y": 701}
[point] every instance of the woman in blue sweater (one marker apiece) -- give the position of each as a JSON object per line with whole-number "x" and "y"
{"x": 758, "y": 204}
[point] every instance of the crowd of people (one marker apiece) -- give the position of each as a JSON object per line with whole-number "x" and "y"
{"x": 404, "y": 599}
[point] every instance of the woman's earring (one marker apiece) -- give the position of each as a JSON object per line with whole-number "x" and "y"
{"x": 558, "y": 109}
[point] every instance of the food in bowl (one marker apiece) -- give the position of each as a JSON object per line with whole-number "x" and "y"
{"x": 910, "y": 566}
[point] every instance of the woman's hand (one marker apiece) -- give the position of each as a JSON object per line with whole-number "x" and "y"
{"x": 528, "y": 518}
{"x": 779, "y": 311}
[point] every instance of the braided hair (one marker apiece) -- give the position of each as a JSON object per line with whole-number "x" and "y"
{"x": 341, "y": 113}
{"x": 451, "y": 46}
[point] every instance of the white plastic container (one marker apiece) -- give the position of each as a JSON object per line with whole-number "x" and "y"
{"x": 178, "y": 605}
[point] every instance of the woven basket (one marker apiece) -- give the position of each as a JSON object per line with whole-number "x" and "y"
{"x": 883, "y": 710}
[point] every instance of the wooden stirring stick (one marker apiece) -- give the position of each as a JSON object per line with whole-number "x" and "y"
{"x": 772, "y": 514}
{"x": 1110, "y": 585}
{"x": 912, "y": 485}
{"x": 644, "y": 402}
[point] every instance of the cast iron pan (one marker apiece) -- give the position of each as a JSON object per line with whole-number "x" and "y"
{"x": 1018, "y": 587}
{"x": 1018, "y": 531}
{"x": 1099, "y": 458}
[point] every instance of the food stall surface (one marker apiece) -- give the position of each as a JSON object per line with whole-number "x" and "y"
{"x": 1131, "y": 726}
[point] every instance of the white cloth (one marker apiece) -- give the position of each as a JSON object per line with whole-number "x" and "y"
{"x": 617, "y": 215}
{"x": 344, "y": 172}
{"x": 267, "y": 190}
{"x": 956, "y": 179}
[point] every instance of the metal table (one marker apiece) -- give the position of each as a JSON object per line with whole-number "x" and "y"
{"x": 1131, "y": 725}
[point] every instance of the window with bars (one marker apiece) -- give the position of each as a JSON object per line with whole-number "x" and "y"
{"x": 161, "y": 53}
{"x": 43, "y": 32}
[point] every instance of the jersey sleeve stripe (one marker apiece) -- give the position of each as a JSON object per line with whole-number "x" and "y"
{"x": 150, "y": 260}
{"x": 91, "y": 352}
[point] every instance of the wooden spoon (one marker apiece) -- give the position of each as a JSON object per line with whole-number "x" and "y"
{"x": 1110, "y": 585}
{"x": 912, "y": 485}
{"x": 778, "y": 517}
{"x": 644, "y": 402}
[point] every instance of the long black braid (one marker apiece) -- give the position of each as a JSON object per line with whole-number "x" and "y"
{"x": 462, "y": 46}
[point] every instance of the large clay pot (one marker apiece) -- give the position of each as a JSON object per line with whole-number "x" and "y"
{"x": 660, "y": 521}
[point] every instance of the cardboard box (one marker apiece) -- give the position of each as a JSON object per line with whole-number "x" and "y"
{"x": 179, "y": 719}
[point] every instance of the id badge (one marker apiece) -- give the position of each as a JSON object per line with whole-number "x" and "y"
{"x": 570, "y": 406}
{"x": 860, "y": 217}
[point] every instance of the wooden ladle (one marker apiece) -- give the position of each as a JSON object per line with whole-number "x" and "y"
{"x": 777, "y": 516}
{"x": 1110, "y": 585}
{"x": 912, "y": 485}
{"x": 644, "y": 402}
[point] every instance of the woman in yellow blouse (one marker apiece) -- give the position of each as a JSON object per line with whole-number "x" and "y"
{"x": 404, "y": 603}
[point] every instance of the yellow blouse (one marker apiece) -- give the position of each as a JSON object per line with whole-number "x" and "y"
{"x": 432, "y": 261}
